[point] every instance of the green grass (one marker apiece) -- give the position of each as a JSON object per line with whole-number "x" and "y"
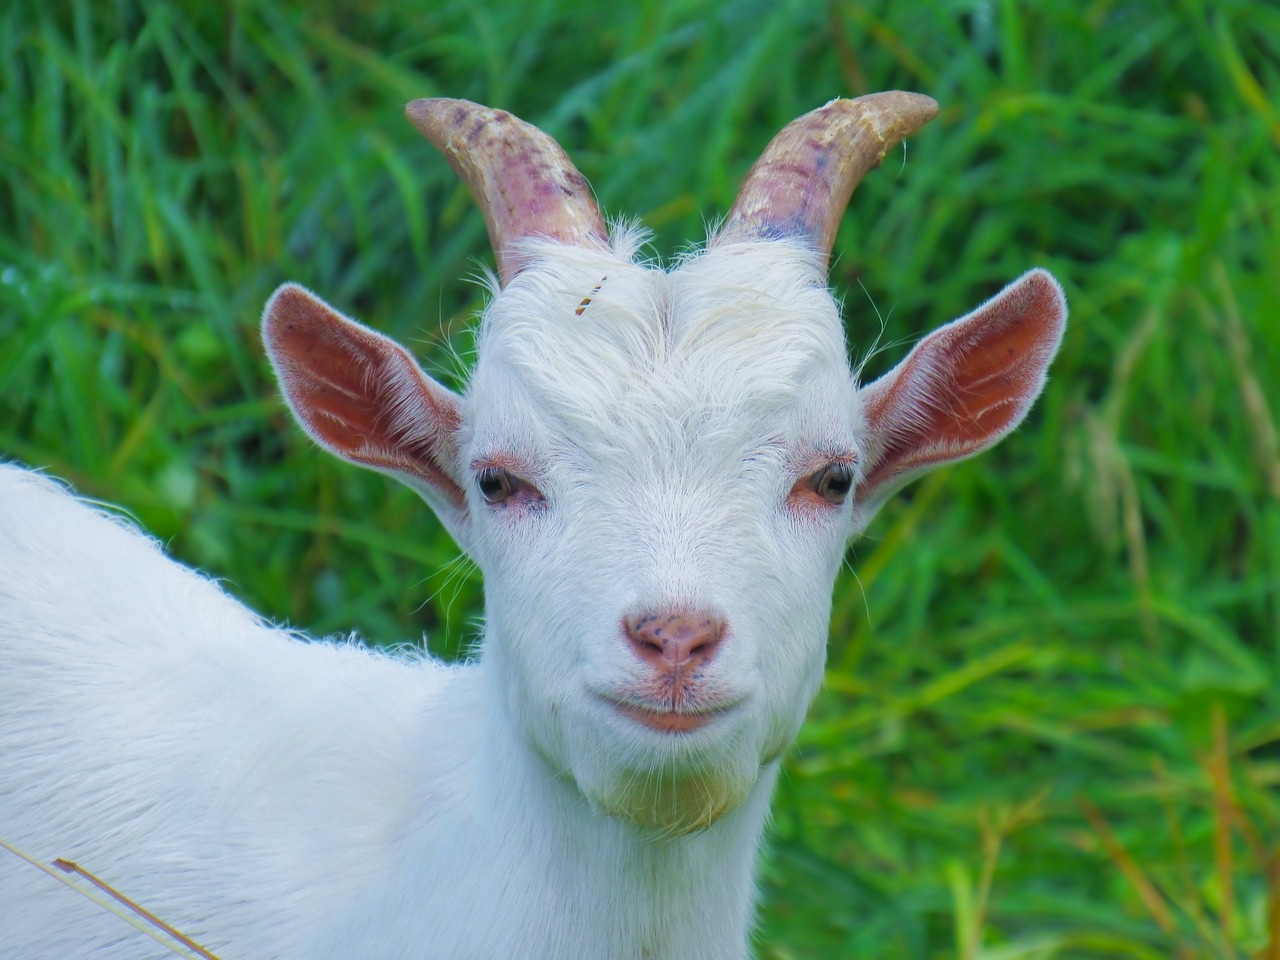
{"x": 1051, "y": 726}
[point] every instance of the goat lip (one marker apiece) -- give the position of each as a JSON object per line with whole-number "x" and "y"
{"x": 667, "y": 720}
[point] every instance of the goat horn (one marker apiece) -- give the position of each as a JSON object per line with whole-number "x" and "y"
{"x": 802, "y": 182}
{"x": 525, "y": 183}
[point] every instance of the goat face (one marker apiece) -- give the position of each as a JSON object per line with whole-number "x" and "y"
{"x": 659, "y": 449}
{"x": 658, "y": 471}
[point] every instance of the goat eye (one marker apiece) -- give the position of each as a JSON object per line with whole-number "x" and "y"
{"x": 501, "y": 487}
{"x": 496, "y": 485}
{"x": 833, "y": 482}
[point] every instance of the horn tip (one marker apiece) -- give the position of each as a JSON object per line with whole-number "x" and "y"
{"x": 899, "y": 112}
{"x": 422, "y": 109}
{"x": 435, "y": 117}
{"x": 424, "y": 114}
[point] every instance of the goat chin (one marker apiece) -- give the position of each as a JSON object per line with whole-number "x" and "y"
{"x": 675, "y": 792}
{"x": 675, "y": 804}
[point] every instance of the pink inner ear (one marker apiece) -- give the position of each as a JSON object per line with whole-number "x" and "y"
{"x": 360, "y": 394}
{"x": 966, "y": 385}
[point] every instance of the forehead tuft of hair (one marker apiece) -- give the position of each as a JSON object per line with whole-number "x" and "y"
{"x": 592, "y": 334}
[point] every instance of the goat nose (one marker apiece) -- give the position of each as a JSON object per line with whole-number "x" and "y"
{"x": 671, "y": 640}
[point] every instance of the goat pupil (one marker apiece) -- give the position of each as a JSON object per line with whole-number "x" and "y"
{"x": 495, "y": 484}
{"x": 835, "y": 482}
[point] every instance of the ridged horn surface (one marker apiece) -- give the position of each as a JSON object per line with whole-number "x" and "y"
{"x": 525, "y": 183}
{"x": 802, "y": 182}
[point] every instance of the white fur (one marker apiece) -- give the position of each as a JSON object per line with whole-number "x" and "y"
{"x": 279, "y": 798}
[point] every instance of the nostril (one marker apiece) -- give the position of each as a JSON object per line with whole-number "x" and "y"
{"x": 674, "y": 639}
{"x": 701, "y": 646}
{"x": 651, "y": 646}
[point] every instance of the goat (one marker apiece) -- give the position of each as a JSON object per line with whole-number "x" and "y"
{"x": 657, "y": 471}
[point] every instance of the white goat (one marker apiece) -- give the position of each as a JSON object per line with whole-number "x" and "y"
{"x": 656, "y": 470}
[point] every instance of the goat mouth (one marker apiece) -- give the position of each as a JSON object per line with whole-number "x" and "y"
{"x": 668, "y": 720}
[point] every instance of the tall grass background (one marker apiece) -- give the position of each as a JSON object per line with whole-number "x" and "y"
{"x": 1051, "y": 722}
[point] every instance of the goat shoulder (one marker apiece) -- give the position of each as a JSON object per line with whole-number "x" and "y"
{"x": 143, "y": 713}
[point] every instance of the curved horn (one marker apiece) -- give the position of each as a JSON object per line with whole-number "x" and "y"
{"x": 802, "y": 182}
{"x": 525, "y": 183}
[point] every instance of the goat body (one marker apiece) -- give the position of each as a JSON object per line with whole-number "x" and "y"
{"x": 656, "y": 470}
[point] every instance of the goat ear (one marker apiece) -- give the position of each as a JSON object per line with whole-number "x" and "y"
{"x": 963, "y": 388}
{"x": 361, "y": 396}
